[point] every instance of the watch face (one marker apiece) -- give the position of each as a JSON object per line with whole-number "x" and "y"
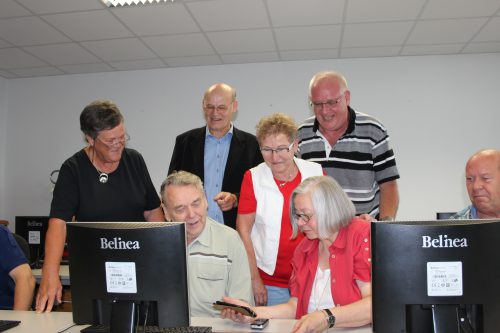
{"x": 331, "y": 320}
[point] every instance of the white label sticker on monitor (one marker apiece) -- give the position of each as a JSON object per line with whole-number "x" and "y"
{"x": 33, "y": 237}
{"x": 444, "y": 278}
{"x": 121, "y": 277}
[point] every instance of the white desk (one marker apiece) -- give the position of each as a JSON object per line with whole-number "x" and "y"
{"x": 57, "y": 322}
{"x": 63, "y": 274}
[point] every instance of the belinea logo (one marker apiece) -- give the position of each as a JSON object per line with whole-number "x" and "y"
{"x": 118, "y": 244}
{"x": 443, "y": 241}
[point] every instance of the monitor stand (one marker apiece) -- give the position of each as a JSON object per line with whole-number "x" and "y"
{"x": 448, "y": 318}
{"x": 123, "y": 317}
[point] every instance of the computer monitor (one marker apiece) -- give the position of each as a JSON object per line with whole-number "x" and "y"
{"x": 436, "y": 276}
{"x": 124, "y": 272}
{"x": 33, "y": 230}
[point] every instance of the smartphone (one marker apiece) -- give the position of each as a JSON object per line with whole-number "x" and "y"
{"x": 219, "y": 305}
{"x": 259, "y": 324}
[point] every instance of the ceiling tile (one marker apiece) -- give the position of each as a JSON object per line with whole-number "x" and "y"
{"x": 368, "y": 52}
{"x": 383, "y": 10}
{"x": 119, "y": 49}
{"x": 259, "y": 40}
{"x": 137, "y": 64}
{"x": 459, "y": 8}
{"x": 310, "y": 12}
{"x": 9, "y": 8}
{"x": 86, "y": 68}
{"x": 30, "y": 30}
{"x": 7, "y": 75}
{"x": 445, "y": 31}
{"x": 179, "y": 45}
{"x": 304, "y": 38}
{"x": 482, "y": 47}
{"x": 40, "y": 71}
{"x": 16, "y": 58}
{"x": 91, "y": 25}
{"x": 156, "y": 20}
{"x": 193, "y": 61}
{"x": 375, "y": 34}
{"x": 490, "y": 32}
{"x": 432, "y": 49}
{"x": 62, "y": 54}
{"x": 249, "y": 57}
{"x": 59, "y": 6}
{"x": 4, "y": 44}
{"x": 309, "y": 54}
{"x": 229, "y": 14}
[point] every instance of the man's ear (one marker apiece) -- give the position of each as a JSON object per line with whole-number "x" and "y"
{"x": 165, "y": 213}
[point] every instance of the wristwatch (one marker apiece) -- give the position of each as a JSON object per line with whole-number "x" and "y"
{"x": 330, "y": 319}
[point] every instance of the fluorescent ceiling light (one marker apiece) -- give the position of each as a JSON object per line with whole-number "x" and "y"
{"x": 119, "y": 3}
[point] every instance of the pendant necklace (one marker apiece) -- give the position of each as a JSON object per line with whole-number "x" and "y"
{"x": 103, "y": 176}
{"x": 288, "y": 180}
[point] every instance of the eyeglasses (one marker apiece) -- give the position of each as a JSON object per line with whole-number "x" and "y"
{"x": 116, "y": 141}
{"x": 304, "y": 217}
{"x": 331, "y": 103}
{"x": 279, "y": 150}
{"x": 220, "y": 108}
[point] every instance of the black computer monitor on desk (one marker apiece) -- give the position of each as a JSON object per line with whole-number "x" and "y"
{"x": 436, "y": 276}
{"x": 119, "y": 269}
{"x": 33, "y": 230}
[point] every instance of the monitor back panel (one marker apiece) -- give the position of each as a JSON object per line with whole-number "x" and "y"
{"x": 434, "y": 263}
{"x": 128, "y": 264}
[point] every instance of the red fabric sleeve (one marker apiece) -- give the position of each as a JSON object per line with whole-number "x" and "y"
{"x": 362, "y": 255}
{"x": 247, "y": 203}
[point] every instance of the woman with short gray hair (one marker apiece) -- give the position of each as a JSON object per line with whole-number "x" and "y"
{"x": 331, "y": 277}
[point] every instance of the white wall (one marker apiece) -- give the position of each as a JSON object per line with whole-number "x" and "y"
{"x": 438, "y": 109}
{"x": 3, "y": 137}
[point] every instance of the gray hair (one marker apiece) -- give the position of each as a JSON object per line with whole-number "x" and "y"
{"x": 180, "y": 178}
{"x": 328, "y": 75}
{"x": 332, "y": 208}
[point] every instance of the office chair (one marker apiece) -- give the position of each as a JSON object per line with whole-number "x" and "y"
{"x": 23, "y": 244}
{"x": 444, "y": 215}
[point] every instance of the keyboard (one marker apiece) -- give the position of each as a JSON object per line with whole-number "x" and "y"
{"x": 6, "y": 324}
{"x": 152, "y": 329}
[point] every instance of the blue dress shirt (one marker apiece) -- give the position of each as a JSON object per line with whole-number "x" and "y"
{"x": 215, "y": 159}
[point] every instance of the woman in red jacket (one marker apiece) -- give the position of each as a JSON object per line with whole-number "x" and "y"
{"x": 331, "y": 279}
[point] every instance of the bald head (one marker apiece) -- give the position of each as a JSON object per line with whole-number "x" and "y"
{"x": 220, "y": 88}
{"x": 219, "y": 106}
{"x": 486, "y": 156}
{"x": 330, "y": 76}
{"x": 482, "y": 173}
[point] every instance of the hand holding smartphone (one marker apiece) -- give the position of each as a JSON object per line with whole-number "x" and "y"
{"x": 244, "y": 310}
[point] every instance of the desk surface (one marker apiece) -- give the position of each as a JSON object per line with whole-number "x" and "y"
{"x": 63, "y": 274}
{"x": 58, "y": 322}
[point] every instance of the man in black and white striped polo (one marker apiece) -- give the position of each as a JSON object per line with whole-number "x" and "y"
{"x": 352, "y": 147}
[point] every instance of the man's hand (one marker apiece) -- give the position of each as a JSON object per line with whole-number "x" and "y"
{"x": 50, "y": 290}
{"x": 226, "y": 200}
{"x": 367, "y": 217}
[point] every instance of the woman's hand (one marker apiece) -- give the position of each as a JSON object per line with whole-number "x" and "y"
{"x": 259, "y": 292}
{"x": 313, "y": 322}
{"x": 228, "y": 313}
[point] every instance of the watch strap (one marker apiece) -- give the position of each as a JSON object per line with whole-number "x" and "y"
{"x": 330, "y": 319}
